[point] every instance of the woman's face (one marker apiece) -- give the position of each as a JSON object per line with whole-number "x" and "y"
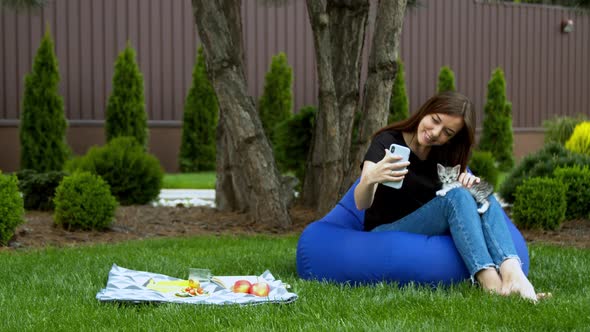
{"x": 438, "y": 128}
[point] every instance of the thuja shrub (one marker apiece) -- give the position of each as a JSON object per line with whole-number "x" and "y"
{"x": 483, "y": 164}
{"x": 11, "y": 207}
{"x": 540, "y": 164}
{"x": 398, "y": 103}
{"x": 580, "y": 140}
{"x": 125, "y": 114}
{"x": 135, "y": 176}
{"x": 560, "y": 128}
{"x": 293, "y": 139}
{"x": 38, "y": 189}
{"x": 276, "y": 101}
{"x": 84, "y": 201}
{"x": 42, "y": 120}
{"x": 540, "y": 203}
{"x": 197, "y": 148}
{"x": 497, "y": 135}
{"x": 577, "y": 179}
{"x": 446, "y": 80}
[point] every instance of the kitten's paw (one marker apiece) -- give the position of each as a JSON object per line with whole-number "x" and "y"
{"x": 441, "y": 193}
{"x": 482, "y": 210}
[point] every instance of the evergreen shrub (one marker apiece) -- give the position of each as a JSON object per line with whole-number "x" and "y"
{"x": 84, "y": 201}
{"x": 135, "y": 176}
{"x": 293, "y": 139}
{"x": 125, "y": 114}
{"x": 398, "y": 104}
{"x": 540, "y": 203}
{"x": 560, "y": 128}
{"x": 579, "y": 142}
{"x": 11, "y": 207}
{"x": 446, "y": 80}
{"x": 483, "y": 164}
{"x": 42, "y": 120}
{"x": 197, "y": 148}
{"x": 38, "y": 189}
{"x": 540, "y": 164}
{"x": 276, "y": 101}
{"x": 497, "y": 135}
{"x": 577, "y": 179}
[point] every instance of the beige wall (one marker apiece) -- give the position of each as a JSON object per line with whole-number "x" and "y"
{"x": 165, "y": 144}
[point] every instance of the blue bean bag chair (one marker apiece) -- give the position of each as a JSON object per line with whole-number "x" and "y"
{"x": 335, "y": 248}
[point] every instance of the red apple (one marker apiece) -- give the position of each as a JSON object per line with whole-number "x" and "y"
{"x": 260, "y": 289}
{"x": 241, "y": 286}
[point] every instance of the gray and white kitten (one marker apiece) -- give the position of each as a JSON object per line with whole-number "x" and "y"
{"x": 480, "y": 191}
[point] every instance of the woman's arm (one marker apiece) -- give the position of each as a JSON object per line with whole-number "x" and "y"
{"x": 386, "y": 170}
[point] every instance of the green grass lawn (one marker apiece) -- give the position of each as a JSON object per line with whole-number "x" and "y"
{"x": 201, "y": 180}
{"x": 54, "y": 290}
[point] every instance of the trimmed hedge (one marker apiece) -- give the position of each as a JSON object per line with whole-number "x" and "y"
{"x": 540, "y": 203}
{"x": 578, "y": 193}
{"x": 38, "y": 189}
{"x": 84, "y": 201}
{"x": 580, "y": 140}
{"x": 134, "y": 175}
{"x": 483, "y": 164}
{"x": 11, "y": 207}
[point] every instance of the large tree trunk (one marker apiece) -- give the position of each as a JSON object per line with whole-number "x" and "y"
{"x": 381, "y": 74}
{"x": 338, "y": 28}
{"x": 247, "y": 177}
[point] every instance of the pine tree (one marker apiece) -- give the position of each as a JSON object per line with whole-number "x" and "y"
{"x": 277, "y": 99}
{"x": 398, "y": 104}
{"x": 446, "y": 79}
{"x": 197, "y": 149}
{"x": 42, "y": 121}
{"x": 497, "y": 135}
{"x": 126, "y": 114}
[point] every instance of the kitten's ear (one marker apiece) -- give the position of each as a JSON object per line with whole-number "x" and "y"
{"x": 457, "y": 169}
{"x": 440, "y": 168}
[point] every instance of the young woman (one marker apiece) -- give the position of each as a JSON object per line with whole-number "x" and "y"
{"x": 442, "y": 131}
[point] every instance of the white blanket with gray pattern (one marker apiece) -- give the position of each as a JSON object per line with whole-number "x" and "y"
{"x": 131, "y": 286}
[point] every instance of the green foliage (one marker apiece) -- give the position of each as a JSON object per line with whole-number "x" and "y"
{"x": 277, "y": 99}
{"x": 399, "y": 104}
{"x": 84, "y": 201}
{"x": 42, "y": 121}
{"x": 578, "y": 193}
{"x": 38, "y": 189}
{"x": 11, "y": 207}
{"x": 197, "y": 149}
{"x": 126, "y": 115}
{"x": 483, "y": 164}
{"x": 540, "y": 203}
{"x": 293, "y": 139}
{"x": 580, "y": 140}
{"x": 497, "y": 124}
{"x": 135, "y": 176}
{"x": 540, "y": 164}
{"x": 560, "y": 128}
{"x": 446, "y": 80}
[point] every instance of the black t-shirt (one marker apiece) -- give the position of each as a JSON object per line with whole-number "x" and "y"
{"x": 419, "y": 186}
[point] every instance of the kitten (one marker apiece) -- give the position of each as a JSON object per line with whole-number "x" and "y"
{"x": 449, "y": 178}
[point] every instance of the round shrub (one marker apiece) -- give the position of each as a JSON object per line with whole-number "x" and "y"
{"x": 11, "y": 207}
{"x": 483, "y": 164}
{"x": 540, "y": 203}
{"x": 135, "y": 176}
{"x": 580, "y": 140}
{"x": 38, "y": 189}
{"x": 84, "y": 200}
{"x": 578, "y": 193}
{"x": 540, "y": 164}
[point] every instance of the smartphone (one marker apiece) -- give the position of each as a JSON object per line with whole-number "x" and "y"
{"x": 402, "y": 151}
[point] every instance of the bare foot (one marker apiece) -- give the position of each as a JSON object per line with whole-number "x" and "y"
{"x": 490, "y": 280}
{"x": 515, "y": 282}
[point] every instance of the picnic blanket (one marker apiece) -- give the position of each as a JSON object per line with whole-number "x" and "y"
{"x": 139, "y": 286}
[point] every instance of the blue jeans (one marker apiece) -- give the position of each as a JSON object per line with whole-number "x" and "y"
{"x": 483, "y": 241}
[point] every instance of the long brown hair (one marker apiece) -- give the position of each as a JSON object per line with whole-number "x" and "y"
{"x": 457, "y": 149}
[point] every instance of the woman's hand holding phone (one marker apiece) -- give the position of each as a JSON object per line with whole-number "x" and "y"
{"x": 394, "y": 165}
